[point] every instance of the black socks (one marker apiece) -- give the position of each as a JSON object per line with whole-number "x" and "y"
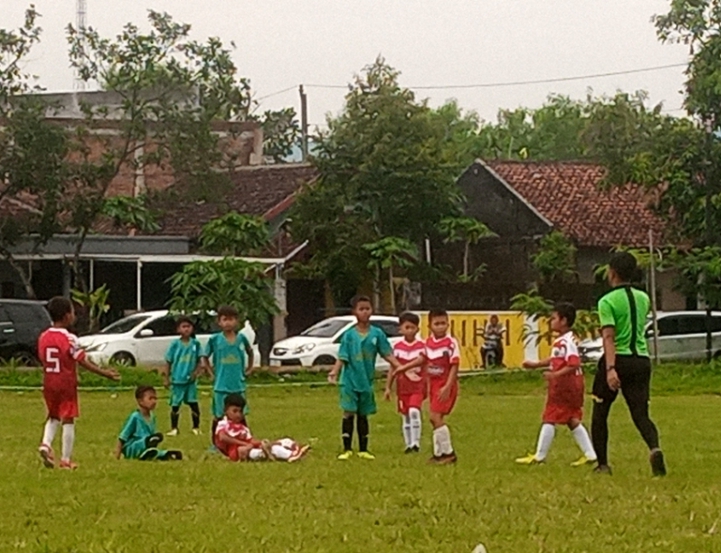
{"x": 347, "y": 433}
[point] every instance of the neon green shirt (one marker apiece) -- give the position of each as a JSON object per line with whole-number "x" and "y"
{"x": 615, "y": 310}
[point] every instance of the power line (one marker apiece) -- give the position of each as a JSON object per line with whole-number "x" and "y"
{"x": 522, "y": 83}
{"x": 277, "y": 93}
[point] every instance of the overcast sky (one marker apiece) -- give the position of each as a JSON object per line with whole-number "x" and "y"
{"x": 283, "y": 43}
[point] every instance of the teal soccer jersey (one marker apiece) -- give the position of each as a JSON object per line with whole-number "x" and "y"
{"x": 359, "y": 353}
{"x": 229, "y": 362}
{"x": 134, "y": 433}
{"x": 183, "y": 359}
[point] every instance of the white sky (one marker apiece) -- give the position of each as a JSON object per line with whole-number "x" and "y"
{"x": 283, "y": 43}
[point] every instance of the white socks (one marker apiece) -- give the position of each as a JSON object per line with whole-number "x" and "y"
{"x": 442, "y": 441}
{"x": 414, "y": 415}
{"x": 256, "y": 454}
{"x": 545, "y": 439}
{"x": 51, "y": 429}
{"x": 68, "y": 441}
{"x": 407, "y": 430}
{"x": 584, "y": 441}
{"x": 280, "y": 453}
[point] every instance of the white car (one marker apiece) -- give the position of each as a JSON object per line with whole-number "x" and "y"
{"x": 143, "y": 339}
{"x": 681, "y": 335}
{"x": 318, "y": 345}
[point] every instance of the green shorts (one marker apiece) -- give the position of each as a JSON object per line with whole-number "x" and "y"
{"x": 361, "y": 403}
{"x": 183, "y": 393}
{"x": 136, "y": 448}
{"x": 219, "y": 403}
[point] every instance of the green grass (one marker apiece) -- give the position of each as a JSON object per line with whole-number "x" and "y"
{"x": 396, "y": 503}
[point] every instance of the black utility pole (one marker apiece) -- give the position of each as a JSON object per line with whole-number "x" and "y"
{"x": 709, "y": 237}
{"x": 304, "y": 122}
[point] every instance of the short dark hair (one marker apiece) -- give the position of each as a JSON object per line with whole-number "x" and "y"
{"x": 436, "y": 313}
{"x": 234, "y": 400}
{"x": 140, "y": 391}
{"x": 624, "y": 265}
{"x": 409, "y": 317}
{"x": 58, "y": 307}
{"x": 566, "y": 311}
{"x": 184, "y": 319}
{"x": 359, "y": 299}
{"x": 228, "y": 311}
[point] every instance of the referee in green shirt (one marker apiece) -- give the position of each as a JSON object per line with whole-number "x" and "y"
{"x": 625, "y": 365}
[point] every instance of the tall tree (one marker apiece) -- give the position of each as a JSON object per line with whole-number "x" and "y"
{"x": 235, "y": 234}
{"x": 470, "y": 231}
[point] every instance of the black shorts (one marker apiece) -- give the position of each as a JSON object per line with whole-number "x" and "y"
{"x": 634, "y": 372}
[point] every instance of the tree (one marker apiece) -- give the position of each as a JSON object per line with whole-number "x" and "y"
{"x": 470, "y": 231}
{"x": 172, "y": 90}
{"x": 96, "y": 303}
{"x": 281, "y": 133}
{"x": 202, "y": 286}
{"x": 234, "y": 234}
{"x": 387, "y": 165}
{"x": 131, "y": 213}
{"x": 391, "y": 253}
{"x": 555, "y": 260}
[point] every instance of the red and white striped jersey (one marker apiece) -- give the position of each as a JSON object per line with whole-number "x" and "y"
{"x": 236, "y": 430}
{"x": 411, "y": 381}
{"x": 565, "y": 353}
{"x": 442, "y": 354}
{"x": 59, "y": 353}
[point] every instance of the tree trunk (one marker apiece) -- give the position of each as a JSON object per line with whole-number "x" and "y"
{"x": 393, "y": 290}
{"x": 80, "y": 282}
{"x": 377, "y": 289}
{"x": 24, "y": 275}
{"x": 466, "y": 255}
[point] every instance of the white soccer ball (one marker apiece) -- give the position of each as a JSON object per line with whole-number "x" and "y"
{"x": 287, "y": 443}
{"x": 480, "y": 548}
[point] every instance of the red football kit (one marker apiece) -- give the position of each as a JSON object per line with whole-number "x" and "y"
{"x": 565, "y": 393}
{"x": 238, "y": 431}
{"x": 59, "y": 353}
{"x": 442, "y": 353}
{"x": 411, "y": 387}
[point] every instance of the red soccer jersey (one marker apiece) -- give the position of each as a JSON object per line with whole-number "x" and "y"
{"x": 441, "y": 353}
{"x": 565, "y": 393}
{"x": 236, "y": 430}
{"x": 412, "y": 381}
{"x": 59, "y": 353}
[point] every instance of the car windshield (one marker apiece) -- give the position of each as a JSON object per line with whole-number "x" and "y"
{"x": 124, "y": 325}
{"x": 325, "y": 329}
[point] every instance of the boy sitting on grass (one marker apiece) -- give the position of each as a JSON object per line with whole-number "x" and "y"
{"x": 138, "y": 438}
{"x": 564, "y": 404}
{"x": 234, "y": 439}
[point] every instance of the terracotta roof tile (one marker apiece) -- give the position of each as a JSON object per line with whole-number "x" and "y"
{"x": 569, "y": 196}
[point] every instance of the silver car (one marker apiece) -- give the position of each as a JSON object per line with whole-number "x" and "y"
{"x": 681, "y": 336}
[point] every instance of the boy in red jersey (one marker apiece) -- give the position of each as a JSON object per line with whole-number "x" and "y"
{"x": 410, "y": 380}
{"x": 59, "y": 354}
{"x": 443, "y": 354}
{"x": 564, "y": 404}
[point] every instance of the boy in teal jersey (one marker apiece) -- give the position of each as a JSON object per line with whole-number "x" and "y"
{"x": 359, "y": 348}
{"x": 181, "y": 364}
{"x": 227, "y": 352}
{"x": 138, "y": 438}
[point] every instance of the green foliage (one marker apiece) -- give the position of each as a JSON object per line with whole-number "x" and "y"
{"x": 131, "y": 213}
{"x": 664, "y": 259}
{"x": 388, "y": 165}
{"x": 700, "y": 273}
{"x": 96, "y": 302}
{"x": 15, "y": 46}
{"x": 532, "y": 303}
{"x": 281, "y": 133}
{"x": 392, "y": 253}
{"x": 235, "y": 234}
{"x": 555, "y": 260}
{"x": 470, "y": 231}
{"x": 203, "y": 286}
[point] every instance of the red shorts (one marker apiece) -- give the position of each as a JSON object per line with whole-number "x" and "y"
{"x": 438, "y": 406}
{"x": 61, "y": 403}
{"x": 565, "y": 401}
{"x": 555, "y": 413}
{"x": 409, "y": 401}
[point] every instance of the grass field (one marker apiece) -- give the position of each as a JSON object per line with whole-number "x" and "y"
{"x": 396, "y": 503}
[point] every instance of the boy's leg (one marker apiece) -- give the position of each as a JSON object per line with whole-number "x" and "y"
{"x": 191, "y": 398}
{"x": 68, "y": 443}
{"x": 349, "y": 403}
{"x": 584, "y": 442}
{"x": 442, "y": 447}
{"x": 347, "y": 431}
{"x": 545, "y": 439}
{"x": 195, "y": 412}
{"x": 363, "y": 427}
{"x": 414, "y": 414}
{"x": 407, "y": 438}
{"x": 46, "y": 446}
{"x": 174, "y": 417}
{"x": 366, "y": 407}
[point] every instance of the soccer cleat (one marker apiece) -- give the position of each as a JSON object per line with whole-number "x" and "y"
{"x": 447, "y": 459}
{"x": 345, "y": 455}
{"x": 149, "y": 454}
{"x": 603, "y": 469}
{"x": 299, "y": 454}
{"x": 196, "y": 431}
{"x": 367, "y": 456}
{"x": 173, "y": 432}
{"x": 529, "y": 459}
{"x": 435, "y": 460}
{"x": 46, "y": 454}
{"x": 68, "y": 465}
{"x": 583, "y": 461}
{"x": 154, "y": 440}
{"x": 658, "y": 465}
{"x": 416, "y": 449}
{"x": 408, "y": 450}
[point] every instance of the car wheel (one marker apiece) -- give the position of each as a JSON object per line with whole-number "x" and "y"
{"x": 123, "y": 359}
{"x": 323, "y": 361}
{"x": 26, "y": 359}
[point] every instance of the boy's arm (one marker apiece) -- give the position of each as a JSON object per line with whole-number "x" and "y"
{"x": 249, "y": 353}
{"x": 166, "y": 374}
{"x": 119, "y": 449}
{"x": 390, "y": 376}
{"x": 88, "y": 365}
{"x": 541, "y": 364}
{"x": 333, "y": 374}
{"x": 445, "y": 391}
{"x": 417, "y": 362}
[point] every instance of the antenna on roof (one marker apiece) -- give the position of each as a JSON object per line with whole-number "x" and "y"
{"x": 81, "y": 13}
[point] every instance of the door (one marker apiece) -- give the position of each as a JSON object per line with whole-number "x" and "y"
{"x": 151, "y": 349}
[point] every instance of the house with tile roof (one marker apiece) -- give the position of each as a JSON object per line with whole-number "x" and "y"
{"x": 523, "y": 200}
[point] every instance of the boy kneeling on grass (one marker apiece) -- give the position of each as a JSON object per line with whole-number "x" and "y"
{"x": 138, "y": 438}
{"x": 234, "y": 440}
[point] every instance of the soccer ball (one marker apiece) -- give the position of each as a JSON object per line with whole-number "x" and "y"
{"x": 287, "y": 443}
{"x": 480, "y": 548}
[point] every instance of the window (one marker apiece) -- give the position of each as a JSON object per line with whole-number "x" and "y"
{"x": 668, "y": 326}
{"x": 692, "y": 324}
{"x": 391, "y": 328}
{"x": 124, "y": 325}
{"x": 165, "y": 326}
{"x": 325, "y": 329}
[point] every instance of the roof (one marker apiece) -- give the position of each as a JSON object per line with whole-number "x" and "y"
{"x": 266, "y": 191}
{"x": 570, "y": 196}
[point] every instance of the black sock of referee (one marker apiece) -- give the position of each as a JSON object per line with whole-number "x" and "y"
{"x": 347, "y": 432}
{"x": 362, "y": 433}
{"x": 174, "y": 417}
{"x": 195, "y": 411}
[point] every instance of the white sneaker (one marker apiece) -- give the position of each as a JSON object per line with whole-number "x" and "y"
{"x": 196, "y": 431}
{"x": 173, "y": 432}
